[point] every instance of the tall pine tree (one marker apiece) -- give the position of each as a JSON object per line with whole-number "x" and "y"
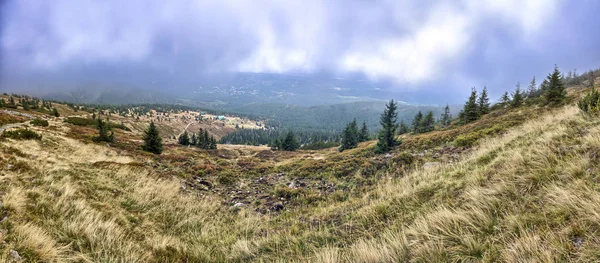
{"x": 289, "y": 143}
{"x": 402, "y": 128}
{"x": 532, "y": 89}
{"x": 446, "y": 117}
{"x": 517, "y": 96}
{"x": 428, "y": 123}
{"x": 555, "y": 92}
{"x": 184, "y": 138}
{"x": 471, "y": 109}
{"x": 386, "y": 137}
{"x": 505, "y": 99}
{"x": 363, "y": 135}
{"x": 152, "y": 140}
{"x": 349, "y": 136}
{"x": 483, "y": 102}
{"x": 416, "y": 123}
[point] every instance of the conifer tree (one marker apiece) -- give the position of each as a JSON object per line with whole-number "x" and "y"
{"x": 193, "y": 140}
{"x": 290, "y": 143}
{"x": 402, "y": 128}
{"x": 200, "y": 138}
{"x": 592, "y": 79}
{"x": 416, "y": 123}
{"x": 471, "y": 109}
{"x": 483, "y": 102}
{"x": 446, "y": 117}
{"x": 349, "y": 136}
{"x": 555, "y": 93}
{"x": 428, "y": 123}
{"x": 386, "y": 137}
{"x": 206, "y": 140}
{"x": 532, "y": 89}
{"x": 213, "y": 143}
{"x": 517, "y": 96}
{"x": 184, "y": 138}
{"x": 505, "y": 99}
{"x": 363, "y": 135}
{"x": 55, "y": 112}
{"x": 152, "y": 140}
{"x": 103, "y": 132}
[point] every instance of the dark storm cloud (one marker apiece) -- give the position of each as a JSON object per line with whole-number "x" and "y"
{"x": 419, "y": 46}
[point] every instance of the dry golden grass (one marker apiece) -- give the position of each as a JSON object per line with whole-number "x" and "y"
{"x": 529, "y": 195}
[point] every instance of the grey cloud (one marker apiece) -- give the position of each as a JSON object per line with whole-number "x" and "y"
{"x": 408, "y": 45}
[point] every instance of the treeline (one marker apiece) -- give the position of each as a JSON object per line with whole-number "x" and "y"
{"x": 28, "y": 103}
{"x": 265, "y": 136}
{"x": 202, "y": 140}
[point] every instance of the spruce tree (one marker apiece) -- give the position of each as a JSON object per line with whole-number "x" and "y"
{"x": 55, "y": 112}
{"x": 505, "y": 99}
{"x": 152, "y": 140}
{"x": 416, "y": 123}
{"x": 446, "y": 117}
{"x": 349, "y": 136}
{"x": 428, "y": 123}
{"x": 386, "y": 137}
{"x": 200, "y": 138}
{"x": 517, "y": 96}
{"x": 592, "y": 79}
{"x": 363, "y": 135}
{"x": 484, "y": 102}
{"x": 194, "y": 140}
{"x": 532, "y": 89}
{"x": 555, "y": 93}
{"x": 213, "y": 143}
{"x": 206, "y": 140}
{"x": 471, "y": 109}
{"x": 402, "y": 128}
{"x": 103, "y": 132}
{"x": 290, "y": 143}
{"x": 184, "y": 138}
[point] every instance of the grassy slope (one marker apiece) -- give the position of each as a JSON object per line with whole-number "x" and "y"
{"x": 529, "y": 194}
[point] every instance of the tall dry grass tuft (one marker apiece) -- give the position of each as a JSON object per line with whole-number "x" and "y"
{"x": 36, "y": 243}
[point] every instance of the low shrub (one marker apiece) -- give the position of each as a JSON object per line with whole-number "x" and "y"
{"x": 22, "y": 134}
{"x": 590, "y": 104}
{"x": 39, "y": 122}
{"x": 466, "y": 140}
{"x": 81, "y": 121}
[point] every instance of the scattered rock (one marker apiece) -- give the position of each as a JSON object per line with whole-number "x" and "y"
{"x": 292, "y": 185}
{"x": 277, "y": 207}
{"x": 387, "y": 155}
{"x": 238, "y": 205}
{"x": 4, "y": 219}
{"x": 183, "y": 187}
{"x": 10, "y": 166}
{"x": 429, "y": 165}
{"x": 15, "y": 255}
{"x": 577, "y": 241}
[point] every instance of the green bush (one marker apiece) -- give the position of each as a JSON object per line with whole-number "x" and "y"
{"x": 93, "y": 123}
{"x": 466, "y": 140}
{"x": 80, "y": 121}
{"x": 22, "y": 134}
{"x": 590, "y": 103}
{"x": 39, "y": 122}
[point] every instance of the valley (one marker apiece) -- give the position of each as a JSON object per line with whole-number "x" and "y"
{"x": 522, "y": 188}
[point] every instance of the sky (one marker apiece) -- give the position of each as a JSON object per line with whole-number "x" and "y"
{"x": 438, "y": 49}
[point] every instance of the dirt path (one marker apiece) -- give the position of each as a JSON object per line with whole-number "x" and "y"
{"x": 184, "y": 129}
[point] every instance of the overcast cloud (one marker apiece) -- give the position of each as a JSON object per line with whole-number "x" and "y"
{"x": 421, "y": 45}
